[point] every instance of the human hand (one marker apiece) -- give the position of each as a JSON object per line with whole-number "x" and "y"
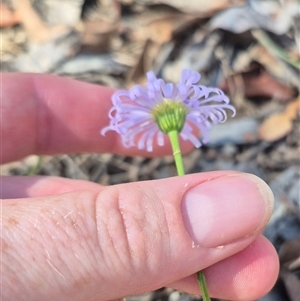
{"x": 73, "y": 240}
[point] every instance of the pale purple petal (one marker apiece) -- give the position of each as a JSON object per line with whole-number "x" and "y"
{"x": 131, "y": 114}
{"x": 160, "y": 138}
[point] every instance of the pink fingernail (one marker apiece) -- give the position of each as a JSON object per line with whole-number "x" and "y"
{"x": 225, "y": 209}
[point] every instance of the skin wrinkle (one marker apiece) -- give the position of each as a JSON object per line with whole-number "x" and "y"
{"x": 99, "y": 220}
{"x": 91, "y": 241}
{"x": 149, "y": 222}
{"x": 170, "y": 225}
{"x": 168, "y": 232}
{"x": 154, "y": 265}
{"x": 146, "y": 224}
{"x": 108, "y": 238}
{"x": 153, "y": 212}
{"x": 90, "y": 245}
{"x": 137, "y": 226}
{"x": 125, "y": 229}
{"x": 162, "y": 222}
{"x": 134, "y": 228}
{"x": 48, "y": 108}
{"x": 97, "y": 236}
{"x": 43, "y": 122}
{"x": 128, "y": 247}
{"x": 7, "y": 114}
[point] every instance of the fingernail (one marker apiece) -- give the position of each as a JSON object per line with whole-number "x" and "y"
{"x": 225, "y": 209}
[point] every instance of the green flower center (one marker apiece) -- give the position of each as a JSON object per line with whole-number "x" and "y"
{"x": 170, "y": 115}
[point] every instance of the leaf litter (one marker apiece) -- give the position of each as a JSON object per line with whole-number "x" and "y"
{"x": 248, "y": 48}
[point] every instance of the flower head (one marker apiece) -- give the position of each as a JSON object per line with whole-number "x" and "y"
{"x": 143, "y": 114}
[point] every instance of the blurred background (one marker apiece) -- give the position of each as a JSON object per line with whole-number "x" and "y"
{"x": 250, "y": 49}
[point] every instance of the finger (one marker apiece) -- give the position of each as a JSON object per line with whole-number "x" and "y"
{"x": 128, "y": 239}
{"x": 250, "y": 273}
{"x": 39, "y": 186}
{"x": 46, "y": 114}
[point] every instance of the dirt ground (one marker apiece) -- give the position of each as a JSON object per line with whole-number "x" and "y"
{"x": 250, "y": 49}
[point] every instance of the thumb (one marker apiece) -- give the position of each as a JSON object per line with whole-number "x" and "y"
{"x": 109, "y": 242}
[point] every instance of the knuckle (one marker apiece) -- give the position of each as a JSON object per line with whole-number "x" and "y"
{"x": 132, "y": 224}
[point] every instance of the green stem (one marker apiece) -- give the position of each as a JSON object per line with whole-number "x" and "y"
{"x": 203, "y": 286}
{"x": 174, "y": 138}
{"x": 33, "y": 170}
{"x": 173, "y": 135}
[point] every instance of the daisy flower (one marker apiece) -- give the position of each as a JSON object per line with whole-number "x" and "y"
{"x": 145, "y": 114}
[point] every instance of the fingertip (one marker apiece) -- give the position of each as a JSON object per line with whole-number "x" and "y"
{"x": 250, "y": 273}
{"x": 63, "y": 116}
{"x": 247, "y": 275}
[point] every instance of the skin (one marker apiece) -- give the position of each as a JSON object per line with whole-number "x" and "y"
{"x": 67, "y": 239}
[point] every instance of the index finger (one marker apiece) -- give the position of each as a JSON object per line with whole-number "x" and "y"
{"x": 47, "y": 114}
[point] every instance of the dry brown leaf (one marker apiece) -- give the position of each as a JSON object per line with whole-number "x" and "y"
{"x": 97, "y": 35}
{"x": 289, "y": 254}
{"x": 292, "y": 284}
{"x": 279, "y": 125}
{"x": 100, "y": 26}
{"x": 162, "y": 29}
{"x": 153, "y": 32}
{"x": 258, "y": 83}
{"x": 144, "y": 63}
{"x": 275, "y": 127}
{"x": 275, "y": 66}
{"x": 292, "y": 108}
{"x": 36, "y": 29}
{"x": 48, "y": 46}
